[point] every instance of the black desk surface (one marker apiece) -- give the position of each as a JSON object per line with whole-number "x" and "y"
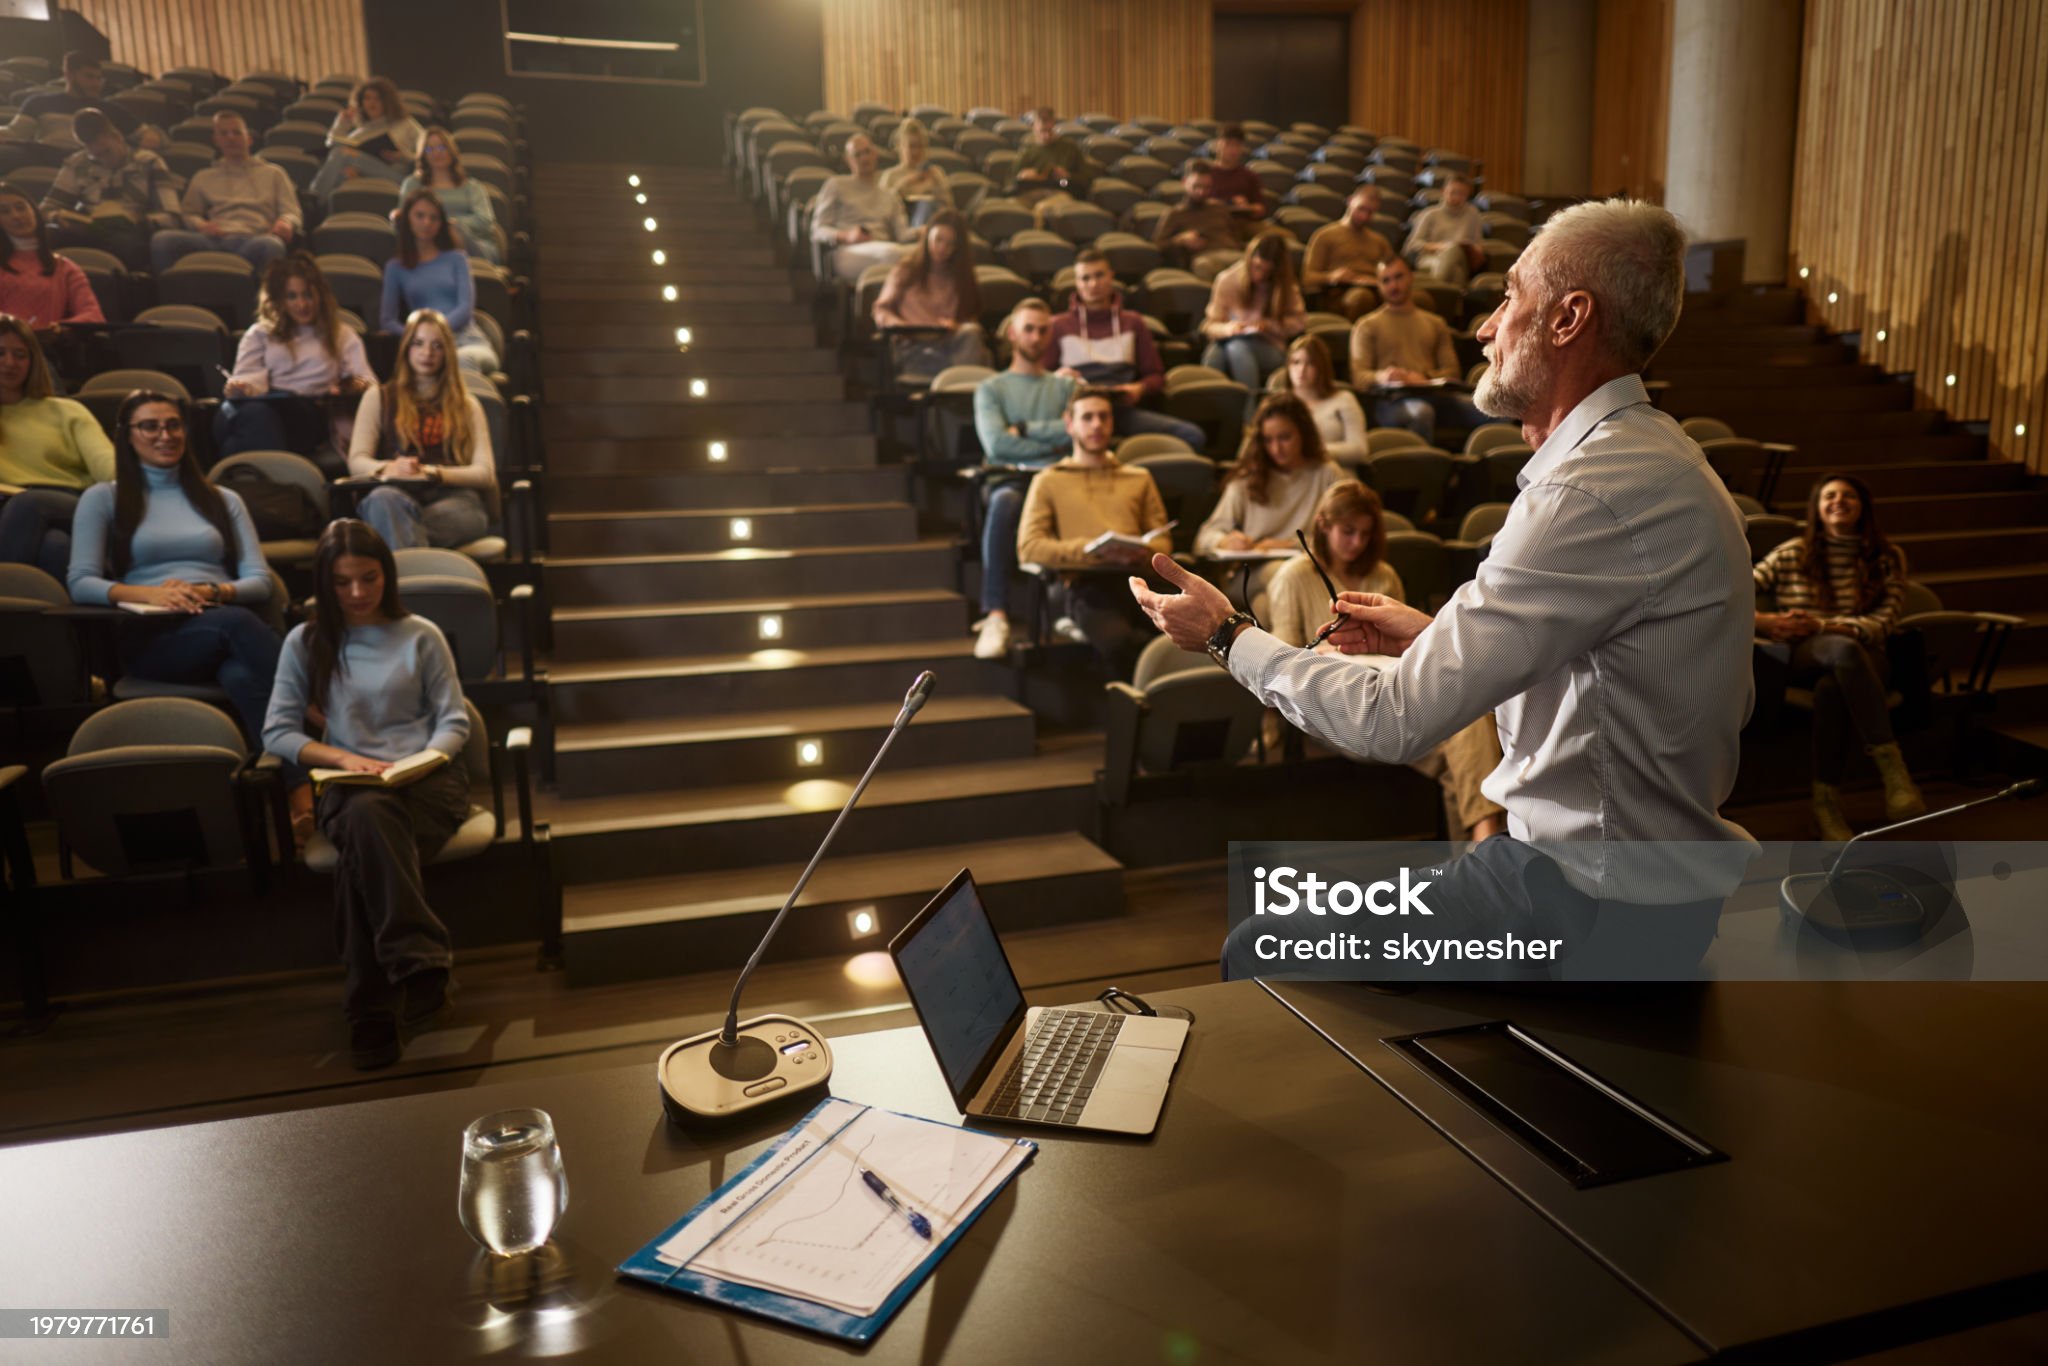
{"x": 1887, "y": 1143}
{"x": 1289, "y": 1210}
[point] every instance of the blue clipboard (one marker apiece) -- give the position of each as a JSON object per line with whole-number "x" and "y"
{"x": 646, "y": 1266}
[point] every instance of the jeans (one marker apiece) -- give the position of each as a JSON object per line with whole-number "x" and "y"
{"x": 1504, "y": 885}
{"x": 330, "y": 175}
{"x": 1848, "y": 700}
{"x": 850, "y": 259}
{"x": 1419, "y": 413}
{"x": 473, "y": 350}
{"x": 384, "y": 927}
{"x": 1132, "y": 419}
{"x": 441, "y": 517}
{"x": 276, "y": 421}
{"x": 259, "y": 249}
{"x": 230, "y": 646}
{"x": 1248, "y": 360}
{"x": 1116, "y": 627}
{"x": 999, "y": 543}
{"x": 35, "y": 528}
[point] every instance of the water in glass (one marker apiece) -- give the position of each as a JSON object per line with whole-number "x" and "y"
{"x": 513, "y": 1186}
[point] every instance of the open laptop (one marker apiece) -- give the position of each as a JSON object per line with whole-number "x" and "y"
{"x": 1077, "y": 1069}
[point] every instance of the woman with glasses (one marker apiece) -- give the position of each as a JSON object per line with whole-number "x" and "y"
{"x": 425, "y": 430}
{"x": 382, "y": 684}
{"x": 162, "y": 542}
{"x": 51, "y": 450}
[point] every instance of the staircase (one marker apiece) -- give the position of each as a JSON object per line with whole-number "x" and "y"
{"x": 739, "y": 597}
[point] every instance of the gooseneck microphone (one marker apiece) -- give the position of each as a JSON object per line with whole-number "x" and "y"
{"x": 771, "y": 1058}
{"x": 1868, "y": 907}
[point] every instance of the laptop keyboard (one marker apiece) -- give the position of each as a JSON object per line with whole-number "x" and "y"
{"x": 1055, "y": 1074}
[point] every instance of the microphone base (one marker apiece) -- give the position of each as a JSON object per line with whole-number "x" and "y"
{"x": 778, "y": 1060}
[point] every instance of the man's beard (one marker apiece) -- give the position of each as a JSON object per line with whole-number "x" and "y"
{"x": 1515, "y": 392}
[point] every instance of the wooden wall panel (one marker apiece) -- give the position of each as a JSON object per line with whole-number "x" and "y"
{"x": 1919, "y": 203}
{"x": 1123, "y": 57}
{"x": 304, "y": 38}
{"x": 1631, "y": 97}
{"x": 1445, "y": 73}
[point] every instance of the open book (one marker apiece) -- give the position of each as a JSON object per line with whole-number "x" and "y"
{"x": 150, "y": 609}
{"x": 1143, "y": 542}
{"x": 411, "y": 768}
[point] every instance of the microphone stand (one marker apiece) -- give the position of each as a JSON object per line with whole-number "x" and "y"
{"x": 736, "y": 1068}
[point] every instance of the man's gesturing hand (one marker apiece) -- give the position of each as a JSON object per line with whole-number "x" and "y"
{"x": 1190, "y": 616}
{"x": 1376, "y": 625}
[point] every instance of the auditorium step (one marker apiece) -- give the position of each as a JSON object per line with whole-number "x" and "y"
{"x": 730, "y": 484}
{"x": 707, "y": 361}
{"x": 695, "y": 684}
{"x": 1987, "y": 548}
{"x": 1966, "y": 511}
{"x": 1913, "y": 479}
{"x": 806, "y": 622}
{"x": 650, "y": 834}
{"x": 758, "y": 335}
{"x": 786, "y": 746}
{"x": 1732, "y": 405}
{"x": 1993, "y": 588}
{"x": 615, "y": 390}
{"x": 713, "y": 455}
{"x": 706, "y": 419}
{"x": 665, "y": 926}
{"x": 666, "y": 532}
{"x": 736, "y": 574}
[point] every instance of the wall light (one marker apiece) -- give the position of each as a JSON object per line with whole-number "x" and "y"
{"x": 2019, "y": 429}
{"x": 1833, "y": 297}
{"x": 668, "y": 292}
{"x": 660, "y": 257}
{"x": 1804, "y": 272}
{"x": 863, "y": 921}
{"x": 810, "y": 753}
{"x": 639, "y": 199}
{"x": 771, "y": 628}
{"x": 682, "y": 336}
{"x": 634, "y": 181}
{"x": 697, "y": 388}
{"x": 716, "y": 451}
{"x": 1880, "y": 334}
{"x": 649, "y": 224}
{"x": 742, "y": 529}
{"x": 1951, "y": 381}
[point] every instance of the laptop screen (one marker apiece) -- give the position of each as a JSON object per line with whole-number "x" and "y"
{"x": 954, "y": 968}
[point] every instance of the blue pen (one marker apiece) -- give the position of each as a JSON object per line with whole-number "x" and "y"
{"x": 919, "y": 1225}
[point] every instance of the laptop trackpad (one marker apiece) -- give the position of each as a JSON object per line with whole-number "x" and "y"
{"x": 1130, "y": 1090}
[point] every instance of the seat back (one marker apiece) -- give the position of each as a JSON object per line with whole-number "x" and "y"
{"x": 39, "y": 661}
{"x": 367, "y": 235}
{"x": 1707, "y": 429}
{"x": 1767, "y": 531}
{"x": 1192, "y": 718}
{"x": 451, "y": 590}
{"x": 1411, "y": 482}
{"x": 1186, "y": 482}
{"x": 1382, "y": 439}
{"x": 1419, "y": 558}
{"x": 1483, "y": 521}
{"x": 127, "y": 381}
{"x": 1484, "y": 438}
{"x": 149, "y": 786}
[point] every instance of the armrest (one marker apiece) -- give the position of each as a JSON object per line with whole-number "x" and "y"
{"x": 519, "y": 520}
{"x": 11, "y": 775}
{"x": 1124, "y": 710}
{"x": 85, "y": 612}
{"x": 522, "y": 594}
{"x": 914, "y": 331}
{"x": 519, "y": 744}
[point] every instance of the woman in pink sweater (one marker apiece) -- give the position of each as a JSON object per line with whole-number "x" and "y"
{"x": 41, "y": 288}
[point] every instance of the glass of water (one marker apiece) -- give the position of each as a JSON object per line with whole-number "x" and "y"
{"x": 513, "y": 1186}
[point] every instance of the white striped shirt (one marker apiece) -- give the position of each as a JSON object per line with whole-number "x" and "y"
{"x": 1608, "y": 630}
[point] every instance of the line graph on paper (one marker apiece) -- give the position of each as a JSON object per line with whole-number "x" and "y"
{"x": 823, "y": 1235}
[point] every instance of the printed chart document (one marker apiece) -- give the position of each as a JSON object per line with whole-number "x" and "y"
{"x": 804, "y": 1223}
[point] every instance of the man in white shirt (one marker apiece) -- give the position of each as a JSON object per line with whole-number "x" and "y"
{"x": 865, "y": 222}
{"x": 238, "y": 204}
{"x": 1608, "y": 629}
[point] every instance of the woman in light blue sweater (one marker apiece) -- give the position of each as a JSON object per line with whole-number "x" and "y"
{"x": 384, "y": 686}
{"x": 467, "y": 201}
{"x": 161, "y": 540}
{"x": 430, "y": 271}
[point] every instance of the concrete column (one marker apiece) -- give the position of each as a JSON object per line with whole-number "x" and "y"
{"x": 1557, "y": 115}
{"x": 1734, "y": 112}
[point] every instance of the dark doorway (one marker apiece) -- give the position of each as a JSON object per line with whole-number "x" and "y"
{"x": 1284, "y": 68}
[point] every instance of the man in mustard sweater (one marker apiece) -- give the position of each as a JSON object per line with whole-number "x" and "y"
{"x": 1399, "y": 345}
{"x": 1074, "y": 502}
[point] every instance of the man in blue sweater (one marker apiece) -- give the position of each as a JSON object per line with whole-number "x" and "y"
{"x": 1018, "y": 417}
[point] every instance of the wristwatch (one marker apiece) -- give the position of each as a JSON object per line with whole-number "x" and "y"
{"x": 1226, "y": 634}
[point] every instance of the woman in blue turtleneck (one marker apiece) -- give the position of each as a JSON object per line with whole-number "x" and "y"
{"x": 161, "y": 537}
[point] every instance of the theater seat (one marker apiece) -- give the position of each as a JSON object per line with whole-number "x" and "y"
{"x": 1180, "y": 713}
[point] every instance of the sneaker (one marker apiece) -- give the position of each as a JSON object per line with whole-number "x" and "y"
{"x": 993, "y": 642}
{"x": 1066, "y": 628}
{"x": 373, "y": 1043}
{"x": 422, "y": 996}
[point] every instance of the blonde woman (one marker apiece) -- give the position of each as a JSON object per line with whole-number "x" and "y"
{"x": 1311, "y": 378}
{"x": 1255, "y": 309}
{"x": 425, "y": 431}
{"x": 922, "y": 186}
{"x": 51, "y": 451}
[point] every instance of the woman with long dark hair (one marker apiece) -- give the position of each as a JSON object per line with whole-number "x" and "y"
{"x": 372, "y": 136}
{"x": 384, "y": 684}
{"x": 51, "y": 450}
{"x": 1280, "y": 475}
{"x": 466, "y": 201}
{"x": 425, "y": 428}
{"x": 38, "y": 286}
{"x": 161, "y": 541}
{"x": 1839, "y": 585}
{"x": 431, "y": 271}
{"x": 297, "y": 353}
{"x": 1255, "y": 309}
{"x": 934, "y": 287}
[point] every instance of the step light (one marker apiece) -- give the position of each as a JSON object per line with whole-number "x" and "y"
{"x": 2019, "y": 429}
{"x": 1834, "y": 297}
{"x": 716, "y": 452}
{"x": 810, "y": 753}
{"x": 698, "y": 388}
{"x": 660, "y": 257}
{"x": 1804, "y": 272}
{"x": 634, "y": 181}
{"x": 771, "y": 627}
{"x": 639, "y": 199}
{"x": 649, "y": 224}
{"x": 1880, "y": 334}
{"x": 863, "y": 921}
{"x": 742, "y": 529}
{"x": 682, "y": 336}
{"x": 668, "y": 293}
{"x": 1951, "y": 381}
